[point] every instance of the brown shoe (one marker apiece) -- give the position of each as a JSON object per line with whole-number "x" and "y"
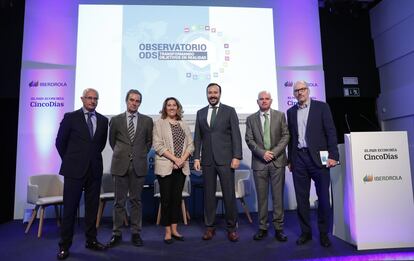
{"x": 232, "y": 236}
{"x": 209, "y": 234}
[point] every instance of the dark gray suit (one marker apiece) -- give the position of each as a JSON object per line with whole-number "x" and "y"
{"x": 274, "y": 170}
{"x": 218, "y": 146}
{"x": 129, "y": 167}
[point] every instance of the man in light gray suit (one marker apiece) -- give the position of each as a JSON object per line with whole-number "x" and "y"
{"x": 267, "y": 136}
{"x": 217, "y": 140}
{"x": 130, "y": 137}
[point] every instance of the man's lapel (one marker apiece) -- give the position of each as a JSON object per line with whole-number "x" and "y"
{"x": 258, "y": 123}
{"x": 139, "y": 128}
{"x": 273, "y": 124}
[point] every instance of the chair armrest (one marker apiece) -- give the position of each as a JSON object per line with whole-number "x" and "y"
{"x": 243, "y": 186}
{"x": 32, "y": 194}
{"x": 187, "y": 185}
{"x": 156, "y": 187}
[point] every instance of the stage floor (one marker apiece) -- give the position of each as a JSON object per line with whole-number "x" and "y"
{"x": 15, "y": 245}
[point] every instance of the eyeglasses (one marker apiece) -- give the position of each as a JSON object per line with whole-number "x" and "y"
{"x": 91, "y": 98}
{"x": 300, "y": 90}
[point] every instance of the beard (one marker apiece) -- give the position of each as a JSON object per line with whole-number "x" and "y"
{"x": 213, "y": 101}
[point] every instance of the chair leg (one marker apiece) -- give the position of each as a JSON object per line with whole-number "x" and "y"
{"x": 187, "y": 212}
{"x": 100, "y": 212}
{"x": 184, "y": 212}
{"x": 159, "y": 214}
{"x": 32, "y": 218}
{"x": 246, "y": 210}
{"x": 42, "y": 214}
{"x": 57, "y": 215}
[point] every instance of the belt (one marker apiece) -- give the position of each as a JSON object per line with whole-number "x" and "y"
{"x": 302, "y": 149}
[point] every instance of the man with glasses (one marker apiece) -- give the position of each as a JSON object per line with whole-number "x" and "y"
{"x": 130, "y": 137}
{"x": 313, "y": 137}
{"x": 80, "y": 141}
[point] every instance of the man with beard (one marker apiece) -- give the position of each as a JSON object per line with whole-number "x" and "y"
{"x": 218, "y": 140}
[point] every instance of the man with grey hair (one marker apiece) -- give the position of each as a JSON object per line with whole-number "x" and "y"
{"x": 313, "y": 135}
{"x": 130, "y": 137}
{"x": 80, "y": 141}
{"x": 267, "y": 136}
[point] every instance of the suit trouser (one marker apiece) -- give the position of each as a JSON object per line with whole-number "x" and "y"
{"x": 276, "y": 178}
{"x": 130, "y": 185}
{"x": 72, "y": 192}
{"x": 304, "y": 170}
{"x": 171, "y": 189}
{"x": 226, "y": 176}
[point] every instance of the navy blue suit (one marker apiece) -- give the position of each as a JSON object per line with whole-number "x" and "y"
{"x": 82, "y": 169}
{"x": 306, "y": 163}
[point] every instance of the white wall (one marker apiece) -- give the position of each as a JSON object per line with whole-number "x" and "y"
{"x": 392, "y": 23}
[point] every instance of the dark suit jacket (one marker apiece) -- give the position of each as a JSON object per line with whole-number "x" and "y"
{"x": 123, "y": 148}
{"x": 320, "y": 132}
{"x": 221, "y": 143}
{"x": 77, "y": 149}
{"x": 279, "y": 138}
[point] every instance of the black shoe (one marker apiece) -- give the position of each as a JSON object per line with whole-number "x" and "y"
{"x": 63, "y": 253}
{"x": 324, "y": 240}
{"x": 137, "y": 240}
{"x": 168, "y": 241}
{"x": 280, "y": 236}
{"x": 115, "y": 240}
{"x": 95, "y": 245}
{"x": 261, "y": 233}
{"x": 178, "y": 238}
{"x": 303, "y": 239}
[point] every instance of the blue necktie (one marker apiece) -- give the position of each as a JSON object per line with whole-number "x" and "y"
{"x": 89, "y": 122}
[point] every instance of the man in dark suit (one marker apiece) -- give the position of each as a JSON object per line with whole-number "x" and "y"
{"x": 313, "y": 134}
{"x": 217, "y": 138}
{"x": 130, "y": 137}
{"x": 267, "y": 136}
{"x": 80, "y": 141}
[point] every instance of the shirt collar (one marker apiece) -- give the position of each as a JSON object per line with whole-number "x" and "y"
{"x": 85, "y": 111}
{"x": 262, "y": 113}
{"x": 128, "y": 114}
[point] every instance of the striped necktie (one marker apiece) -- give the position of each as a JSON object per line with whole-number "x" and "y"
{"x": 131, "y": 129}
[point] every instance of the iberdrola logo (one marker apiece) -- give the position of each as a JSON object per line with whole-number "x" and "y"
{"x": 368, "y": 178}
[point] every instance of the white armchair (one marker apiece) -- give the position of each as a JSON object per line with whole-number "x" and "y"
{"x": 44, "y": 191}
{"x": 242, "y": 188}
{"x": 186, "y": 193}
{"x": 107, "y": 194}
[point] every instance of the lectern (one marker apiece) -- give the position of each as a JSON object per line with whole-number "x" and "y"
{"x": 372, "y": 191}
